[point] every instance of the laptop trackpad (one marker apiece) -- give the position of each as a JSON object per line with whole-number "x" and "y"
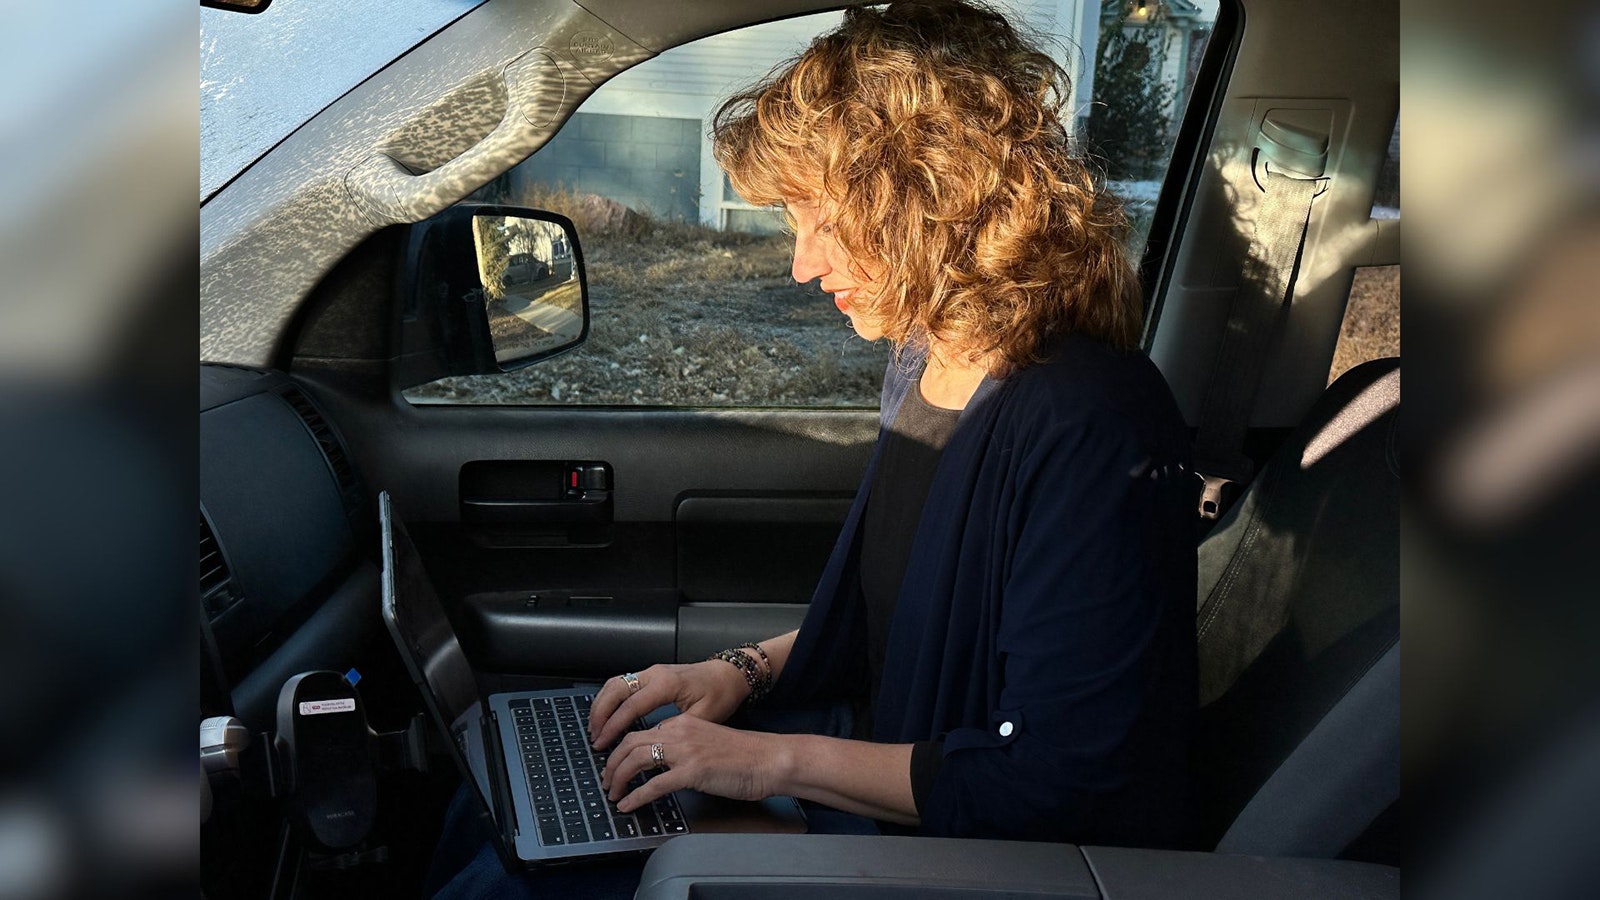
{"x": 719, "y": 815}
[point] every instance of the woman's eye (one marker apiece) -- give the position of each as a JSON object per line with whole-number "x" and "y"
{"x": 825, "y": 228}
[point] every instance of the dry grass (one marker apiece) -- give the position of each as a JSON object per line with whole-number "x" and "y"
{"x": 1371, "y": 328}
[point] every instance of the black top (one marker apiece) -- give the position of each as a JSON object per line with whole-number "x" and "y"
{"x": 906, "y": 464}
{"x": 1045, "y": 628}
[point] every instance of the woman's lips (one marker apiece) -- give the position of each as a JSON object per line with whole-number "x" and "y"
{"x": 841, "y": 299}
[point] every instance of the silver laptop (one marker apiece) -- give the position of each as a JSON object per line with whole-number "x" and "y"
{"x": 527, "y": 753}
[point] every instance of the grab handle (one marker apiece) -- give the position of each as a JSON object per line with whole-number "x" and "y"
{"x": 389, "y": 193}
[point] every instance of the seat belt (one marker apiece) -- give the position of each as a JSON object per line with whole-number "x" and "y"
{"x": 1276, "y": 242}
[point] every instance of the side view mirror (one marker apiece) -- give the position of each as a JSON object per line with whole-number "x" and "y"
{"x": 244, "y": 6}
{"x": 491, "y": 289}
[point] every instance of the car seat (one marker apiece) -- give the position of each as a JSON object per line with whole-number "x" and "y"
{"x": 1297, "y": 742}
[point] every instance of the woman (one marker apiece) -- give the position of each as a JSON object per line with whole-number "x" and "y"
{"x": 1010, "y": 603}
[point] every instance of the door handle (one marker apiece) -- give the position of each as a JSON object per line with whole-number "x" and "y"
{"x": 536, "y": 492}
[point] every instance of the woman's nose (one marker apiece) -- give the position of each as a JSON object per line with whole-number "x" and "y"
{"x": 809, "y": 260}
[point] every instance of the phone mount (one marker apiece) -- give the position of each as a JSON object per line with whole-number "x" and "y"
{"x": 322, "y": 762}
{"x": 325, "y": 745}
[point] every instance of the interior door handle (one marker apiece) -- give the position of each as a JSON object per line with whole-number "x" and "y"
{"x": 588, "y": 508}
{"x": 535, "y": 492}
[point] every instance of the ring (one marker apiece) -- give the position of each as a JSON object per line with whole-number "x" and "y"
{"x": 631, "y": 679}
{"x": 658, "y": 756}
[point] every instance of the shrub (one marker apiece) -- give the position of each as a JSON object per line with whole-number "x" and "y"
{"x": 1129, "y": 122}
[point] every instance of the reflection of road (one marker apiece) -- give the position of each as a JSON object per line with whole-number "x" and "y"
{"x": 554, "y": 308}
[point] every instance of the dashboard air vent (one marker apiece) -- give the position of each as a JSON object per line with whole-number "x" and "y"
{"x": 217, "y": 591}
{"x": 331, "y": 448}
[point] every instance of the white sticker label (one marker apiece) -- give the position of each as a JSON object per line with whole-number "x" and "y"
{"x": 323, "y": 707}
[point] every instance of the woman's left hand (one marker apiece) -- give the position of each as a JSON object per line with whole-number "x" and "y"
{"x": 711, "y": 758}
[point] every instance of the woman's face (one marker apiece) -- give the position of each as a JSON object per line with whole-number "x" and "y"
{"x": 818, "y": 254}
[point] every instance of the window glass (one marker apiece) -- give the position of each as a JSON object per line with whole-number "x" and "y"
{"x": 691, "y": 299}
{"x": 1371, "y": 328}
{"x": 1133, "y": 96}
{"x": 263, "y": 74}
{"x": 1386, "y": 193}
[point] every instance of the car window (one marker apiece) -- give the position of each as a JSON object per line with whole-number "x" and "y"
{"x": 1386, "y": 193}
{"x": 263, "y": 75}
{"x": 691, "y": 299}
{"x": 1371, "y": 326}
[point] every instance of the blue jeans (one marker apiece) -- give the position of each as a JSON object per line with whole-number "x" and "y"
{"x": 466, "y": 865}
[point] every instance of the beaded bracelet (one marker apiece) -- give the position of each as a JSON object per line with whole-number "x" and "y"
{"x": 746, "y": 666}
{"x": 765, "y": 662}
{"x": 760, "y": 682}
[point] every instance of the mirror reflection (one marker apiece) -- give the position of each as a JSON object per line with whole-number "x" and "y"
{"x": 531, "y": 288}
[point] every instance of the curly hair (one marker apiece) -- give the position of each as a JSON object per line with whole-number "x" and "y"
{"x": 933, "y": 130}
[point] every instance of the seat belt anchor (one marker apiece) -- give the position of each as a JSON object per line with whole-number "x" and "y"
{"x": 1291, "y": 151}
{"x": 1261, "y": 166}
{"x": 1220, "y": 484}
{"x": 1213, "y": 491}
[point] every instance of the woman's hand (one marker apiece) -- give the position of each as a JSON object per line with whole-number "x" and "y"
{"x": 710, "y": 690}
{"x": 714, "y": 759}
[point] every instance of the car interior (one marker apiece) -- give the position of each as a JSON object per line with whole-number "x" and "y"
{"x": 570, "y": 542}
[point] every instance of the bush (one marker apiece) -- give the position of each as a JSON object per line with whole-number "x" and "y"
{"x": 1129, "y": 124}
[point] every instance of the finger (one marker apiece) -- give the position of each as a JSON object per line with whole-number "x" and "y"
{"x": 621, "y": 717}
{"x": 620, "y": 753}
{"x": 636, "y": 760}
{"x": 611, "y": 695}
{"x": 654, "y": 789}
{"x": 650, "y": 695}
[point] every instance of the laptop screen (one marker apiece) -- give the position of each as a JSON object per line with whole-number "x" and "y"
{"x": 427, "y": 643}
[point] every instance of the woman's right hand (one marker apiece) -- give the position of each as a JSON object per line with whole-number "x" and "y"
{"x": 710, "y": 690}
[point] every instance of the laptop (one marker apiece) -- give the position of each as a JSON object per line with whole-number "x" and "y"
{"x": 528, "y": 754}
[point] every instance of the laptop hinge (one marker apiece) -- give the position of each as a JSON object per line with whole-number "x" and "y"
{"x": 499, "y": 783}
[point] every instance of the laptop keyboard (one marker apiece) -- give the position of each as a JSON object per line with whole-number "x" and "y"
{"x": 564, "y": 778}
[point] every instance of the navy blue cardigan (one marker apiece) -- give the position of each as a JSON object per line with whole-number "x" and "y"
{"x": 1044, "y": 631}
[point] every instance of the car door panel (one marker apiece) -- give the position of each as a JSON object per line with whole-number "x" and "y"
{"x": 754, "y": 548}
{"x": 721, "y": 521}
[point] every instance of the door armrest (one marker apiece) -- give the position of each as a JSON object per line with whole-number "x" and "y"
{"x": 801, "y": 867}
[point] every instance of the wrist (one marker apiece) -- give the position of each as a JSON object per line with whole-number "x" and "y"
{"x": 750, "y": 661}
{"x": 783, "y": 762}
{"x": 730, "y": 675}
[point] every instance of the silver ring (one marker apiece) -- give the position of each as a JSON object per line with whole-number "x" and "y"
{"x": 631, "y": 679}
{"x": 658, "y": 755}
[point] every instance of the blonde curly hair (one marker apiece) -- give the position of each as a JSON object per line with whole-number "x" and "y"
{"x": 933, "y": 131}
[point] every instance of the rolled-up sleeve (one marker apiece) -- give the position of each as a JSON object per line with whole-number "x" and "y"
{"x": 1075, "y": 628}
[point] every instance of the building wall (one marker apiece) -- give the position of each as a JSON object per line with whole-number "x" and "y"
{"x": 648, "y": 163}
{"x": 689, "y": 82}
{"x": 643, "y": 138}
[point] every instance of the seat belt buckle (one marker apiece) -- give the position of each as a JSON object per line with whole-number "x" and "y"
{"x": 1214, "y": 491}
{"x": 1220, "y": 484}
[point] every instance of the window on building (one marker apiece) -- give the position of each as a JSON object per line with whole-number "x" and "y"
{"x": 691, "y": 299}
